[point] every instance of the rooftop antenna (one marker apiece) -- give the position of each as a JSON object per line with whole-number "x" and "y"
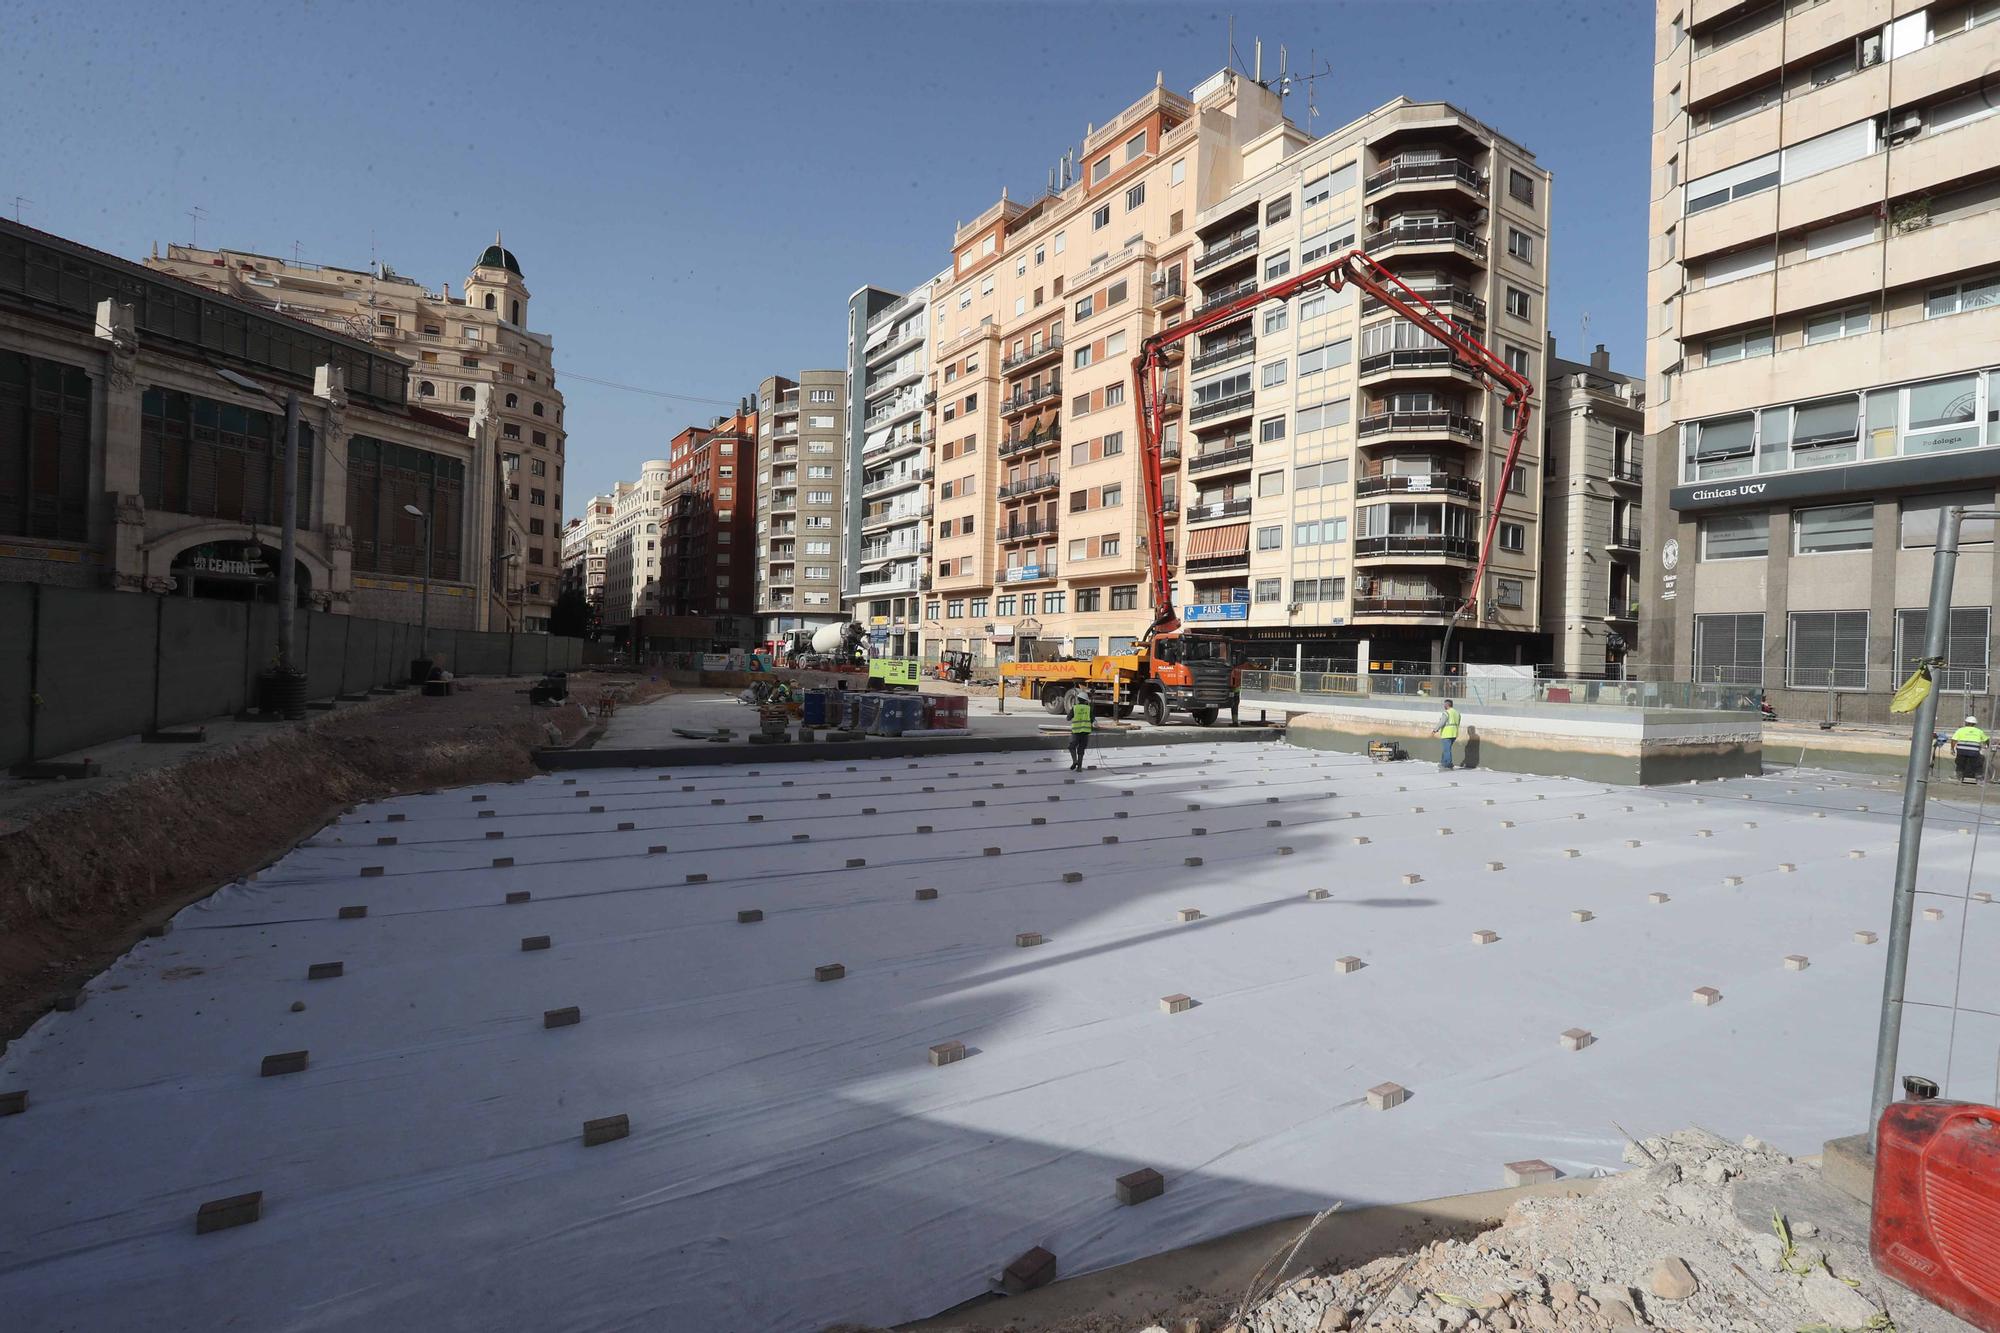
{"x": 1315, "y": 71}
{"x": 18, "y": 201}
{"x": 295, "y": 254}
{"x": 1585, "y": 342}
{"x": 195, "y": 215}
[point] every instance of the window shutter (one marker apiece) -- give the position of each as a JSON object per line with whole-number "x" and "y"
{"x": 1829, "y": 650}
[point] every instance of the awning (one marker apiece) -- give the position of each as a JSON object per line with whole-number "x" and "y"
{"x": 1212, "y": 543}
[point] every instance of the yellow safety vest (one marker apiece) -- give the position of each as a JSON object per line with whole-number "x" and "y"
{"x": 1079, "y": 720}
{"x": 1450, "y": 728}
{"x": 1969, "y": 736}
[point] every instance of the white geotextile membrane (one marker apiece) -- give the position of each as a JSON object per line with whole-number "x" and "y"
{"x": 795, "y": 1160}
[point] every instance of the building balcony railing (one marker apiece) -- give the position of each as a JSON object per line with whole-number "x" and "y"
{"x": 1623, "y": 537}
{"x": 1215, "y": 300}
{"x": 1418, "y": 544}
{"x": 1220, "y": 353}
{"x": 1205, "y": 513}
{"x": 1208, "y": 460}
{"x": 1169, "y": 289}
{"x": 1435, "y": 483}
{"x": 1170, "y": 453}
{"x": 1032, "y": 355}
{"x": 1425, "y": 233}
{"x": 1414, "y": 171}
{"x": 1422, "y": 360}
{"x": 1224, "y": 248}
{"x": 1028, "y": 573}
{"x": 1046, "y": 481}
{"x": 1217, "y": 564}
{"x": 895, "y": 481}
{"x": 1020, "y": 532}
{"x": 1238, "y": 404}
{"x": 902, "y": 407}
{"x": 1444, "y": 298}
{"x": 892, "y": 517}
{"x": 1027, "y": 398}
{"x": 1421, "y": 423}
{"x": 1622, "y": 610}
{"x": 1628, "y": 470}
{"x": 1405, "y": 606}
{"x": 1039, "y": 438}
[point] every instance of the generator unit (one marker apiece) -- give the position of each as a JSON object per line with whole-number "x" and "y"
{"x": 1936, "y": 1222}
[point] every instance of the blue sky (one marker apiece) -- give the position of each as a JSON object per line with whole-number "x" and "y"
{"x": 694, "y": 189}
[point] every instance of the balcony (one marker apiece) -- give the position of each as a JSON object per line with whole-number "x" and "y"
{"x": 1235, "y": 405}
{"x": 1046, "y": 481}
{"x": 1209, "y": 460}
{"x": 1218, "y": 299}
{"x": 895, "y": 481}
{"x": 1169, "y": 290}
{"x": 1447, "y": 299}
{"x": 1039, "y": 438}
{"x": 1406, "y": 606}
{"x": 1206, "y": 513}
{"x": 1624, "y": 537}
{"x": 1435, "y": 483}
{"x": 1170, "y": 453}
{"x": 1024, "y": 399}
{"x": 1021, "y": 532}
{"x": 1220, "y": 251}
{"x": 1029, "y": 573}
{"x": 1033, "y": 355}
{"x": 1622, "y": 609}
{"x": 1417, "y": 234}
{"x": 1627, "y": 470}
{"x": 1456, "y": 424}
{"x": 1223, "y": 352}
{"x": 1216, "y": 564}
{"x": 1416, "y": 361}
{"x": 1447, "y": 172}
{"x": 890, "y": 518}
{"x": 1416, "y": 544}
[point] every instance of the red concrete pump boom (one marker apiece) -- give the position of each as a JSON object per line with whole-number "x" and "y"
{"x": 1357, "y": 267}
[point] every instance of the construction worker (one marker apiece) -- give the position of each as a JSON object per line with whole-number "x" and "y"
{"x": 1080, "y": 724}
{"x": 1969, "y": 745}
{"x": 1447, "y": 730}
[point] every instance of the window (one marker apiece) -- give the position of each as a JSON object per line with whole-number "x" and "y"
{"x": 1966, "y": 647}
{"x": 1833, "y": 528}
{"x": 1114, "y": 444}
{"x": 1312, "y": 307}
{"x": 1942, "y": 415}
{"x": 1277, "y": 266}
{"x": 1135, "y": 196}
{"x": 1081, "y": 357}
{"x": 1824, "y": 152}
{"x": 978, "y": 608}
{"x": 1221, "y": 387}
{"x": 1314, "y": 475}
{"x": 1520, "y": 245}
{"x": 1827, "y": 650}
{"x": 1513, "y": 537}
{"x": 1271, "y": 538}
{"x": 1325, "y": 415}
{"x": 1275, "y": 319}
{"x": 1114, "y": 393}
{"x": 1100, "y": 169}
{"x": 1517, "y": 303}
{"x": 1729, "y": 649}
{"x": 1521, "y": 185}
{"x": 1322, "y": 243}
{"x": 1090, "y": 599}
{"x": 1108, "y": 546}
{"x": 1749, "y": 104}
{"x": 1061, "y": 242}
{"x": 1177, "y": 172}
{"x": 1271, "y": 428}
{"x": 1077, "y": 547}
{"x": 1336, "y": 353}
{"x": 1125, "y": 597}
{"x": 1080, "y": 405}
{"x": 466, "y": 393}
{"x": 1052, "y": 603}
{"x": 1977, "y": 294}
{"x": 1735, "y": 537}
{"x": 1724, "y": 447}
{"x": 1274, "y": 373}
{"x": 1113, "y": 496}
{"x": 1086, "y": 307}
{"x": 954, "y": 609}
{"x": 1920, "y": 520}
{"x": 1135, "y": 145}
{"x": 1116, "y": 293}
{"x": 1277, "y": 210}
{"x": 1269, "y": 590}
{"x": 1518, "y": 361}
{"x": 1337, "y": 181}
{"x": 45, "y": 433}
{"x": 1509, "y": 593}
{"x": 1831, "y": 324}
{"x": 1326, "y": 532}
{"x": 1004, "y": 605}
{"x": 1720, "y": 187}
{"x": 1100, "y": 217}
{"x": 1737, "y": 347}
{"x": 1838, "y": 236}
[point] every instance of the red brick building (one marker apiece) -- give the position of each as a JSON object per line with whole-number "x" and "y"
{"x": 708, "y": 537}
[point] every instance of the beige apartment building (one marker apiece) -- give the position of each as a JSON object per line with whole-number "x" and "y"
{"x": 585, "y": 548}
{"x": 801, "y": 471}
{"x": 1037, "y": 494}
{"x": 457, "y": 347}
{"x": 1824, "y": 349}
{"x": 1339, "y": 463}
{"x": 1593, "y": 430}
{"x": 632, "y": 546}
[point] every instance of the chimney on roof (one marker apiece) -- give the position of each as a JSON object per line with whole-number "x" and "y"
{"x": 1600, "y": 359}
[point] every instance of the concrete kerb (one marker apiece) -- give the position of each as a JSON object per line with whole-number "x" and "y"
{"x": 879, "y": 747}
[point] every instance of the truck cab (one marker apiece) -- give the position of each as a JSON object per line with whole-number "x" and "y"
{"x": 1193, "y": 673}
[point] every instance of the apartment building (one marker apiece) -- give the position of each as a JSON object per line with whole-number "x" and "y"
{"x": 709, "y": 559}
{"x": 1593, "y": 431}
{"x": 632, "y": 548}
{"x": 586, "y": 548}
{"x": 455, "y": 347}
{"x": 885, "y": 532}
{"x": 1824, "y": 350}
{"x": 1339, "y": 462}
{"x": 801, "y": 467}
{"x": 1038, "y": 522}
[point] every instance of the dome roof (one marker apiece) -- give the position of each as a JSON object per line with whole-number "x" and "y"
{"x": 497, "y": 256}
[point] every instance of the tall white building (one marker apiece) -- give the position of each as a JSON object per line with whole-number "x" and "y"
{"x": 885, "y": 532}
{"x": 632, "y": 546}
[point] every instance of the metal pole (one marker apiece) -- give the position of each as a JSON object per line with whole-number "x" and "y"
{"x": 1916, "y": 790}
{"x": 424, "y": 620}
{"x": 288, "y": 540}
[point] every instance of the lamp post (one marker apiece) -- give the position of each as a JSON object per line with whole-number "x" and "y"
{"x": 421, "y": 668}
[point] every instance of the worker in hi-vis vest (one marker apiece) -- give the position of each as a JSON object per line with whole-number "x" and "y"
{"x": 1968, "y": 745}
{"x": 1447, "y": 730}
{"x": 1079, "y": 731}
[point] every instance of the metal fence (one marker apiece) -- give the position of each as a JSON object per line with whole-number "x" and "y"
{"x": 1508, "y": 689}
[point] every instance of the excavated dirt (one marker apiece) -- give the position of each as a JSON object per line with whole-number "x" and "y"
{"x": 80, "y": 879}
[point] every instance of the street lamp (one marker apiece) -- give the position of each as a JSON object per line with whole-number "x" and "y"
{"x": 422, "y": 664}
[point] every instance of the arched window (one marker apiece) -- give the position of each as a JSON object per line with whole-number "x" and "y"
{"x": 513, "y": 400}
{"x": 514, "y": 312}
{"x": 490, "y": 304}
{"x": 425, "y": 389}
{"x": 466, "y": 394}
{"x": 538, "y": 409}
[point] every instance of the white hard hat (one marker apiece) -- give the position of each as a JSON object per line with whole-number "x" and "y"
{"x": 1971, "y": 721}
